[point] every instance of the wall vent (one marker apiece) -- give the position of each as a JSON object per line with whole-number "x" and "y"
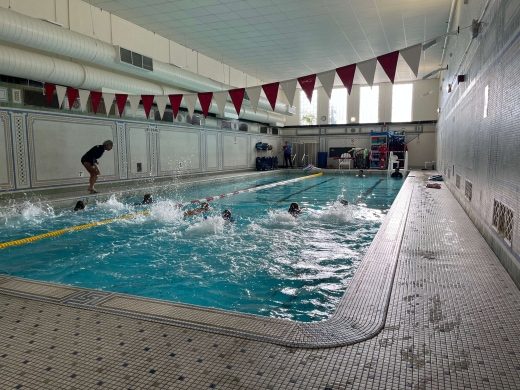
{"x": 457, "y": 181}
{"x": 263, "y": 130}
{"x": 194, "y": 120}
{"x": 274, "y": 130}
{"x": 468, "y": 192}
{"x": 503, "y": 220}
{"x": 180, "y": 118}
{"x": 226, "y": 125}
{"x": 242, "y": 127}
{"x": 17, "y": 96}
{"x": 135, "y": 59}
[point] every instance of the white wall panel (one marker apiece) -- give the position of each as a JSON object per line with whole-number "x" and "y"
{"x": 90, "y": 21}
{"x": 234, "y": 151}
{"x": 139, "y": 146}
{"x": 57, "y": 144}
{"x": 39, "y": 9}
{"x": 212, "y": 151}
{"x": 6, "y": 165}
{"x": 179, "y": 151}
{"x": 210, "y": 68}
{"x": 237, "y": 78}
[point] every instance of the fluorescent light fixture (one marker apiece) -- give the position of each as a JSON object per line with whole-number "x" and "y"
{"x": 427, "y": 45}
{"x": 433, "y": 73}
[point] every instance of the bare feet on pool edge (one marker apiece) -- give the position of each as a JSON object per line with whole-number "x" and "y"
{"x": 93, "y": 191}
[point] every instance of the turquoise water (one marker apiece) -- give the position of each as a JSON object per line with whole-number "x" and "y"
{"x": 267, "y": 262}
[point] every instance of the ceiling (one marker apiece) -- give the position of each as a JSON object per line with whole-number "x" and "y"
{"x": 277, "y": 40}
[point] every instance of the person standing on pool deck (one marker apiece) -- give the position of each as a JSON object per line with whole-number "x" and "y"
{"x": 287, "y": 154}
{"x": 90, "y": 162}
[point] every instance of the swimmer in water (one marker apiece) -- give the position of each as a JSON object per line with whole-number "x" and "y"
{"x": 343, "y": 202}
{"x": 204, "y": 207}
{"x": 295, "y": 210}
{"x": 79, "y": 206}
{"x": 148, "y": 199}
{"x": 361, "y": 173}
{"x": 226, "y": 216}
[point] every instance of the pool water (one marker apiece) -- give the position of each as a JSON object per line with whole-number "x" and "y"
{"x": 266, "y": 262}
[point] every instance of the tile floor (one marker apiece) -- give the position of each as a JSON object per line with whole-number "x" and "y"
{"x": 449, "y": 315}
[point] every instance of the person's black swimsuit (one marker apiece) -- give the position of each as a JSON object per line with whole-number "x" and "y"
{"x": 93, "y": 154}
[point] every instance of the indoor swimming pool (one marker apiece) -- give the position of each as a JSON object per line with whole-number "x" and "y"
{"x": 267, "y": 262}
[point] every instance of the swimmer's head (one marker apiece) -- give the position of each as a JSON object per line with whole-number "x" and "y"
{"x": 344, "y": 202}
{"x": 147, "y": 199}
{"x": 204, "y": 205}
{"x": 294, "y": 207}
{"x": 226, "y": 215}
{"x": 79, "y": 205}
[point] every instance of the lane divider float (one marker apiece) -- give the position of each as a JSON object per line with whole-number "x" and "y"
{"x": 178, "y": 205}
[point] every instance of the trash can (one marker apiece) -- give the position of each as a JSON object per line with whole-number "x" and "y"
{"x": 322, "y": 159}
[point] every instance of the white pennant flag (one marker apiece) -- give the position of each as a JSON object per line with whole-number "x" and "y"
{"x": 327, "y": 81}
{"x": 108, "y": 98}
{"x": 253, "y": 94}
{"x": 190, "y": 101}
{"x": 289, "y": 89}
{"x": 412, "y": 56}
{"x": 368, "y": 70}
{"x": 83, "y": 98}
{"x": 221, "y": 99}
{"x": 134, "y": 103}
{"x": 60, "y": 91}
{"x": 161, "y": 101}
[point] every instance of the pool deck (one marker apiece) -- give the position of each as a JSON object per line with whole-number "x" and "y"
{"x": 431, "y": 307}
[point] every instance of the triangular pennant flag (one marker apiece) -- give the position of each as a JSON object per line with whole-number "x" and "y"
{"x": 271, "y": 92}
{"x": 161, "y": 104}
{"x": 108, "y": 99}
{"x": 389, "y": 64}
{"x": 190, "y": 100}
{"x": 72, "y": 95}
{"x": 60, "y": 91}
{"x": 412, "y": 56}
{"x": 175, "y": 102}
{"x": 147, "y": 103}
{"x": 205, "y": 101}
{"x": 83, "y": 98}
{"x": 289, "y": 88}
{"x": 134, "y": 103}
{"x": 121, "y": 99}
{"x": 346, "y": 74}
{"x": 368, "y": 70}
{"x": 49, "y": 91}
{"x": 253, "y": 94}
{"x": 327, "y": 81}
{"x": 220, "y": 98}
{"x": 237, "y": 96}
{"x": 95, "y": 98}
{"x": 307, "y": 84}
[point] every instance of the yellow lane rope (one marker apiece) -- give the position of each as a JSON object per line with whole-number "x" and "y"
{"x": 107, "y": 221}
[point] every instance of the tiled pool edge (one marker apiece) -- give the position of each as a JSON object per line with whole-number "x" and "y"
{"x": 360, "y": 314}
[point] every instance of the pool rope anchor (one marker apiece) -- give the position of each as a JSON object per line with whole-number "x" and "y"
{"x": 179, "y": 205}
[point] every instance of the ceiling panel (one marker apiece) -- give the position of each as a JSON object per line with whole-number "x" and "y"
{"x": 276, "y": 40}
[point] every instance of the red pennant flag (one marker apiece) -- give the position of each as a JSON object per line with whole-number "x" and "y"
{"x": 237, "y": 96}
{"x": 147, "y": 103}
{"x": 307, "y": 84}
{"x": 49, "y": 91}
{"x": 121, "y": 99}
{"x": 205, "y": 101}
{"x": 346, "y": 74}
{"x": 72, "y": 95}
{"x": 175, "y": 102}
{"x": 389, "y": 63}
{"x": 95, "y": 98}
{"x": 271, "y": 92}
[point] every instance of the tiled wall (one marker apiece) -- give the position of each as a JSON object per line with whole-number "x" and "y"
{"x": 478, "y": 142}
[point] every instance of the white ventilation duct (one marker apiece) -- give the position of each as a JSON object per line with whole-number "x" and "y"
{"x": 26, "y": 31}
{"x": 24, "y": 64}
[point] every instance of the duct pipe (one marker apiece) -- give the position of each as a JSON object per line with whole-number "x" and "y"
{"x": 30, "y": 32}
{"x": 20, "y": 63}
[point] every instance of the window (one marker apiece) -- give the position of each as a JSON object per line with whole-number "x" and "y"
{"x": 338, "y": 106}
{"x": 369, "y": 105}
{"x": 402, "y": 102}
{"x": 308, "y": 111}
